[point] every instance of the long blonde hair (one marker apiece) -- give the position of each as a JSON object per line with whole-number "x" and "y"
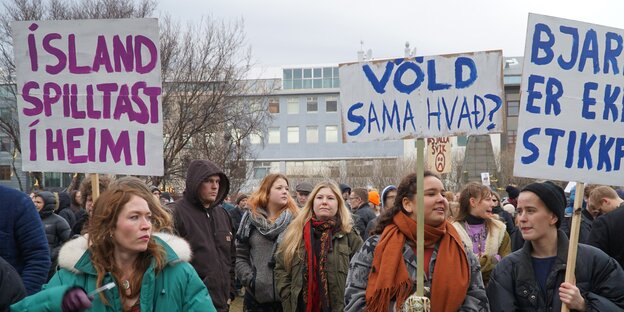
{"x": 294, "y": 234}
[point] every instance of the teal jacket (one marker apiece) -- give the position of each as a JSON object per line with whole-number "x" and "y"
{"x": 176, "y": 288}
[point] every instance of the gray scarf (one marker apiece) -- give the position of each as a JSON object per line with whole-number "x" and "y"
{"x": 262, "y": 224}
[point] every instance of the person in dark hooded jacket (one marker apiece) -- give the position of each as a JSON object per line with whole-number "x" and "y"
{"x": 56, "y": 228}
{"x": 11, "y": 287}
{"x": 532, "y": 278}
{"x": 64, "y": 209}
{"x": 202, "y": 221}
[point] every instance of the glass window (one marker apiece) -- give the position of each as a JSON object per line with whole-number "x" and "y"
{"x": 293, "y": 106}
{"x": 336, "y": 83}
{"x": 288, "y": 73}
{"x": 5, "y": 173}
{"x": 327, "y": 82}
{"x": 312, "y": 135}
{"x": 274, "y": 135}
{"x": 331, "y": 134}
{"x": 274, "y": 105}
{"x": 288, "y": 84}
{"x": 260, "y": 173}
{"x": 331, "y": 104}
{"x": 254, "y": 138}
{"x": 5, "y": 144}
{"x": 307, "y": 73}
{"x": 318, "y": 83}
{"x": 327, "y": 72}
{"x": 511, "y": 136}
{"x": 462, "y": 140}
{"x": 307, "y": 83}
{"x": 293, "y": 134}
{"x": 336, "y": 71}
{"x": 513, "y": 108}
{"x": 297, "y": 84}
{"x": 317, "y": 73}
{"x": 297, "y": 73}
{"x": 312, "y": 104}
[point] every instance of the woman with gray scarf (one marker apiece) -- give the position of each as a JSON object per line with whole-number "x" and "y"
{"x": 271, "y": 208}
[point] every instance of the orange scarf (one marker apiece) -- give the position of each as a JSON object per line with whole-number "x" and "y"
{"x": 389, "y": 279}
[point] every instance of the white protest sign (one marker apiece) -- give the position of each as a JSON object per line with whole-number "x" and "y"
{"x": 422, "y": 97}
{"x": 485, "y": 178}
{"x": 571, "y": 122}
{"x": 89, "y": 96}
{"x": 439, "y": 155}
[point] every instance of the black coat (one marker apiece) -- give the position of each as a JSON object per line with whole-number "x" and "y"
{"x": 506, "y": 218}
{"x": 11, "y": 287}
{"x": 361, "y": 217}
{"x": 586, "y": 226}
{"x": 599, "y": 278}
{"x": 607, "y": 234}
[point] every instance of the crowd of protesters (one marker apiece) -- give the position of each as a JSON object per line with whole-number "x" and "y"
{"x": 315, "y": 247}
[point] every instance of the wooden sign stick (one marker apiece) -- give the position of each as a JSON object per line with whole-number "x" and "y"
{"x": 574, "y": 236}
{"x": 95, "y": 186}
{"x": 420, "y": 218}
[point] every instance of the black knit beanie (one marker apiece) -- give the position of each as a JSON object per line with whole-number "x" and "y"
{"x": 552, "y": 196}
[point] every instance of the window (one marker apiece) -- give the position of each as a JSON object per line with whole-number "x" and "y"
{"x": 462, "y": 140}
{"x": 312, "y": 135}
{"x": 511, "y": 136}
{"x": 331, "y": 134}
{"x": 513, "y": 107}
{"x": 293, "y": 106}
{"x": 5, "y": 173}
{"x": 274, "y": 135}
{"x": 331, "y": 104}
{"x": 312, "y": 104}
{"x": 310, "y": 78}
{"x": 293, "y": 135}
{"x": 254, "y": 138}
{"x": 274, "y": 105}
{"x": 5, "y": 144}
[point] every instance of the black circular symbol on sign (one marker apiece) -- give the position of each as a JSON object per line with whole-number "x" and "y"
{"x": 440, "y": 161}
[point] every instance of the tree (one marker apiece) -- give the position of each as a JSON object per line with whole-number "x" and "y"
{"x": 206, "y": 100}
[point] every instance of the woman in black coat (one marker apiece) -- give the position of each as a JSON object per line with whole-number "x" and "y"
{"x": 533, "y": 277}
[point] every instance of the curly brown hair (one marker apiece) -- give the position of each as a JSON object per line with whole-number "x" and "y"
{"x": 86, "y": 190}
{"x": 104, "y": 216}
{"x": 406, "y": 189}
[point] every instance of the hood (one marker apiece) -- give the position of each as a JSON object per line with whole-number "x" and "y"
{"x": 199, "y": 170}
{"x": 74, "y": 255}
{"x": 49, "y": 203}
{"x": 64, "y": 200}
{"x": 384, "y": 193}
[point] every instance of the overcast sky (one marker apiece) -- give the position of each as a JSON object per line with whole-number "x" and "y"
{"x": 329, "y": 31}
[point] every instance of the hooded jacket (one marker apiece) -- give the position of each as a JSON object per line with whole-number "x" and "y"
{"x": 209, "y": 231}
{"x": 56, "y": 228}
{"x": 175, "y": 288}
{"x": 11, "y": 288}
{"x": 599, "y": 278}
{"x": 64, "y": 210}
{"x": 23, "y": 242}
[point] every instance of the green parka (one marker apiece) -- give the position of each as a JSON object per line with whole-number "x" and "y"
{"x": 176, "y": 288}
{"x": 290, "y": 283}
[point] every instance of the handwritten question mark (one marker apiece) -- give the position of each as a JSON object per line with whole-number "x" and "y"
{"x": 499, "y": 104}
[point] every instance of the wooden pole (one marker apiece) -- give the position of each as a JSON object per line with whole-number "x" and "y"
{"x": 95, "y": 186}
{"x": 574, "y": 236}
{"x": 420, "y": 219}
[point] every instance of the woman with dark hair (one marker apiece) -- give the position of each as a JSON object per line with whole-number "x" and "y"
{"x": 382, "y": 275}
{"x": 271, "y": 208}
{"x": 482, "y": 233}
{"x": 150, "y": 270}
{"x": 313, "y": 259}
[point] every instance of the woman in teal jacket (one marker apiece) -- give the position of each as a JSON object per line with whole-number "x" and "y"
{"x": 151, "y": 272}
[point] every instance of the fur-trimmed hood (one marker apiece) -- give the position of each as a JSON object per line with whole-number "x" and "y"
{"x": 74, "y": 250}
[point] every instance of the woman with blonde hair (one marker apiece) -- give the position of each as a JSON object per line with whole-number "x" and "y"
{"x": 313, "y": 259}
{"x": 482, "y": 233}
{"x": 150, "y": 270}
{"x": 271, "y": 208}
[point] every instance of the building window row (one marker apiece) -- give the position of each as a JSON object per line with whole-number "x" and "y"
{"x": 310, "y": 78}
{"x": 292, "y": 135}
{"x": 312, "y": 105}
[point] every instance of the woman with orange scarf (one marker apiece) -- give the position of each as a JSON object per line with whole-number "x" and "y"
{"x": 382, "y": 275}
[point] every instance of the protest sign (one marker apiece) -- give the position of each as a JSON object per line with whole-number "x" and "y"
{"x": 89, "y": 96}
{"x": 571, "y": 120}
{"x": 422, "y": 97}
{"x": 439, "y": 155}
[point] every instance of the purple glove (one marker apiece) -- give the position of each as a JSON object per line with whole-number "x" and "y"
{"x": 75, "y": 300}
